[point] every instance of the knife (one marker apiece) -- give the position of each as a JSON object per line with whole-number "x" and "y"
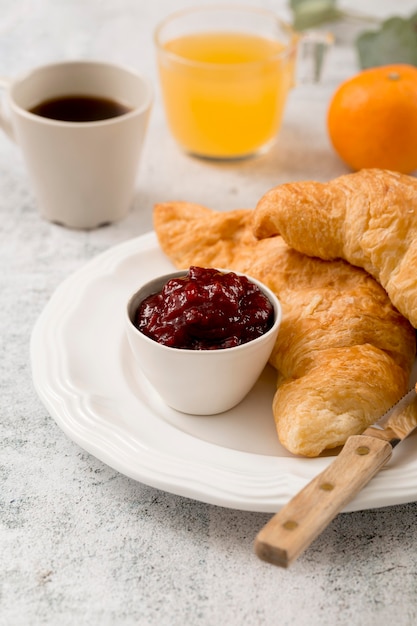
{"x": 307, "y": 514}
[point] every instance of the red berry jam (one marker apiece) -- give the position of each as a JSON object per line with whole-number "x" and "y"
{"x": 205, "y": 310}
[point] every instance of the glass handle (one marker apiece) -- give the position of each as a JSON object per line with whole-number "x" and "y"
{"x": 312, "y": 50}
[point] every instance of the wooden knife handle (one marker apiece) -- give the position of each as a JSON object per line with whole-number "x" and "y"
{"x": 308, "y": 513}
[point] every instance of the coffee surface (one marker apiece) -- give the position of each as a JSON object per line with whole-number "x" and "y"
{"x": 75, "y": 108}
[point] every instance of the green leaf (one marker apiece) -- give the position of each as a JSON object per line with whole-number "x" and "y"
{"x": 310, "y": 13}
{"x": 394, "y": 42}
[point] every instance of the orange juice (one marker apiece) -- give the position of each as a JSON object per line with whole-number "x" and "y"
{"x": 225, "y": 92}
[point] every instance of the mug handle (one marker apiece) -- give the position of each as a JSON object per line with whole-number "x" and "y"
{"x": 313, "y": 48}
{"x": 5, "y": 120}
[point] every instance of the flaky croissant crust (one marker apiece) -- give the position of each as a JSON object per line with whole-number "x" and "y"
{"x": 368, "y": 218}
{"x": 343, "y": 353}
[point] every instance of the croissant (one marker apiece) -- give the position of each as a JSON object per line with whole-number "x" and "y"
{"x": 368, "y": 218}
{"x": 343, "y": 352}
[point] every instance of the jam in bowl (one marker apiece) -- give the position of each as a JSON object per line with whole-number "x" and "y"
{"x": 205, "y": 310}
{"x": 202, "y": 336}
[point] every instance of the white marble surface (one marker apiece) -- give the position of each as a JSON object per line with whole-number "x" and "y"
{"x": 81, "y": 543}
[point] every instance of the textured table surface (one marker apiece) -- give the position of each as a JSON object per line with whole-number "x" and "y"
{"x": 81, "y": 543}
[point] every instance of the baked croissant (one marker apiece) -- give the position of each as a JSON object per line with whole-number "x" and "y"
{"x": 343, "y": 352}
{"x": 368, "y": 218}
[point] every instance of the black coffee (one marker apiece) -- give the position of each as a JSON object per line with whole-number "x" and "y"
{"x": 80, "y": 108}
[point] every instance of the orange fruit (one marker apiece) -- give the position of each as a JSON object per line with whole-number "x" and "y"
{"x": 372, "y": 119}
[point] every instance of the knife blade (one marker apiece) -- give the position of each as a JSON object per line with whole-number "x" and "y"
{"x": 290, "y": 531}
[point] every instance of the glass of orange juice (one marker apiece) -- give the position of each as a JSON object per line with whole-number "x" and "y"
{"x": 225, "y": 75}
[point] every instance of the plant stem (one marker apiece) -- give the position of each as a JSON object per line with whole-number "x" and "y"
{"x": 359, "y": 17}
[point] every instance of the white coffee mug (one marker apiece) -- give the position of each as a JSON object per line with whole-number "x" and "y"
{"x": 83, "y": 173}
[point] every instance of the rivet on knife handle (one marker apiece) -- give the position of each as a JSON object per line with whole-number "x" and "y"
{"x": 296, "y": 526}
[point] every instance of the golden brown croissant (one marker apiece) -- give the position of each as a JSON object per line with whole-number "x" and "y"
{"x": 343, "y": 353}
{"x": 368, "y": 218}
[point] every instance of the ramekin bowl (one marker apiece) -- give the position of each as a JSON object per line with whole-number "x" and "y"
{"x": 200, "y": 382}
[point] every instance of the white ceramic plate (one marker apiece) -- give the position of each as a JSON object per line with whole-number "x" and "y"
{"x": 87, "y": 379}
